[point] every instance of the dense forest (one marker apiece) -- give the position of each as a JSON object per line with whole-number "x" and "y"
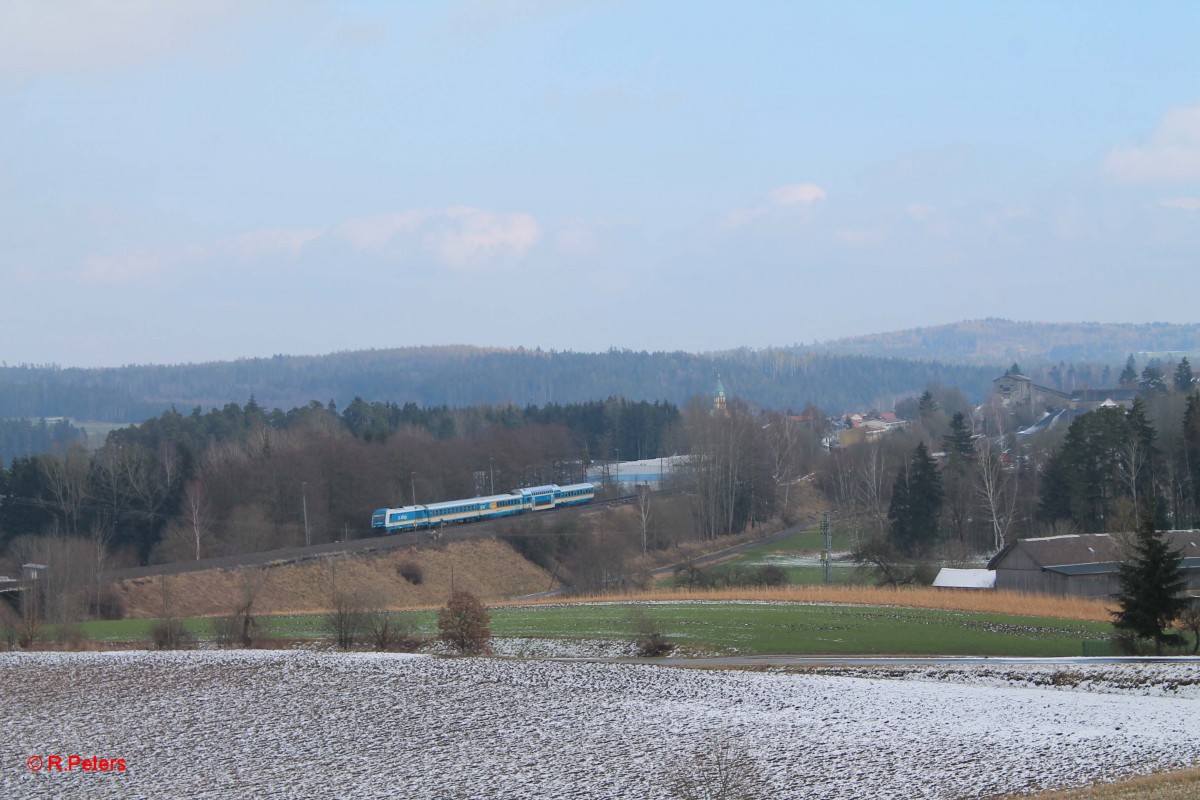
{"x": 243, "y": 479}
{"x": 466, "y": 376}
{"x": 856, "y": 373}
{"x": 22, "y": 437}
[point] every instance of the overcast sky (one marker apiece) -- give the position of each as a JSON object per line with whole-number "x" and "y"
{"x": 208, "y": 180}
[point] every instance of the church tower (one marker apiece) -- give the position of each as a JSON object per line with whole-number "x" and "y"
{"x": 719, "y": 407}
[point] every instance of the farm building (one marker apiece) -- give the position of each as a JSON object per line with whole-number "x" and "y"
{"x": 950, "y": 578}
{"x": 652, "y": 472}
{"x": 1085, "y": 564}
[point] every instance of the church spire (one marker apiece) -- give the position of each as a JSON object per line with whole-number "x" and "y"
{"x": 719, "y": 406}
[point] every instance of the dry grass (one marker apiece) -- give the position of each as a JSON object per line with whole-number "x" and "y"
{"x": 1165, "y": 786}
{"x": 992, "y": 602}
{"x": 491, "y": 570}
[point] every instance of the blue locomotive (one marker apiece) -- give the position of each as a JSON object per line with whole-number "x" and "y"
{"x": 518, "y": 501}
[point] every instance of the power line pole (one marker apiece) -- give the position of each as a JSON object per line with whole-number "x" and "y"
{"x": 827, "y": 553}
{"x": 304, "y": 503}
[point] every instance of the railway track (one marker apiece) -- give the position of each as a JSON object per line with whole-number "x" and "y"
{"x": 483, "y": 529}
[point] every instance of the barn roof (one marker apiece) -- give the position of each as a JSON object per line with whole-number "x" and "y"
{"x": 1091, "y": 553}
{"x": 950, "y": 578}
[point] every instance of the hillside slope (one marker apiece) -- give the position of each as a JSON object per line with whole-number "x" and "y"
{"x": 463, "y": 376}
{"x": 992, "y": 341}
{"x": 490, "y": 569}
{"x": 860, "y": 372}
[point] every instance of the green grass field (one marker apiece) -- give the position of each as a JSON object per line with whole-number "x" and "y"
{"x": 799, "y": 555}
{"x": 740, "y": 627}
{"x": 783, "y": 553}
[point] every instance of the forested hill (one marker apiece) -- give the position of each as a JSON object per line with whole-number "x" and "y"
{"x": 996, "y": 341}
{"x": 465, "y": 376}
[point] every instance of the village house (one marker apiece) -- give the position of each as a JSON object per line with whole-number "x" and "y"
{"x": 1013, "y": 389}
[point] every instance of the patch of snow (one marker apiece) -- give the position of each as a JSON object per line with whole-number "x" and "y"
{"x": 367, "y": 725}
{"x": 949, "y": 578}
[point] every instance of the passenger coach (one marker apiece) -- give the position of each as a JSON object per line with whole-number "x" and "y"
{"x": 519, "y": 501}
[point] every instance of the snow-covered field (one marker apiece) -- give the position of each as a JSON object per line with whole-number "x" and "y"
{"x": 304, "y": 724}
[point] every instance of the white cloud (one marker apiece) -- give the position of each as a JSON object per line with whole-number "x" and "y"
{"x": 1171, "y": 154}
{"x": 470, "y": 237}
{"x": 373, "y": 232}
{"x": 272, "y": 241}
{"x": 130, "y": 266}
{"x": 920, "y": 213}
{"x": 780, "y": 200}
{"x": 798, "y": 194}
{"x": 930, "y": 218}
{"x": 742, "y": 216}
{"x": 1181, "y": 203}
{"x": 81, "y": 36}
{"x": 460, "y": 237}
{"x": 858, "y": 237}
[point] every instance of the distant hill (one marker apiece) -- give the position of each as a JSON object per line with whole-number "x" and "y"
{"x": 464, "y": 376}
{"x": 858, "y": 373}
{"x": 1002, "y": 341}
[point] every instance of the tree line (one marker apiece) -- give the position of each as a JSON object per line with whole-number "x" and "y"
{"x": 23, "y": 437}
{"x": 463, "y": 377}
{"x": 243, "y": 479}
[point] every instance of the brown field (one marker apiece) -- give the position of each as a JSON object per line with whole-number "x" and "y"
{"x": 1033, "y": 605}
{"x": 490, "y": 569}
{"x": 1165, "y": 786}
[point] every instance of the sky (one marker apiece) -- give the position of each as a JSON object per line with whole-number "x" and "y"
{"x": 217, "y": 179}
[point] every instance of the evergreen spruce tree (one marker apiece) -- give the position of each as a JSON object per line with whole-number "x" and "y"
{"x": 927, "y": 404}
{"x": 1191, "y": 447}
{"x": 917, "y": 498}
{"x": 1183, "y": 380}
{"x": 959, "y": 443}
{"x": 1151, "y": 588}
{"x": 1128, "y": 377}
{"x": 1153, "y": 378}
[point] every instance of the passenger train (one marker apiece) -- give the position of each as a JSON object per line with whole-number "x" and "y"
{"x": 518, "y": 501}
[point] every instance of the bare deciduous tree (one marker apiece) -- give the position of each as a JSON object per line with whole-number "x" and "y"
{"x": 996, "y": 487}
{"x": 718, "y": 769}
{"x": 348, "y": 620}
{"x": 871, "y": 485}
{"x": 463, "y": 623}
{"x": 195, "y": 511}
{"x": 69, "y": 481}
{"x": 644, "y": 510}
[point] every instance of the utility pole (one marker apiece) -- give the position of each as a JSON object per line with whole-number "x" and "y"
{"x": 827, "y": 552}
{"x": 304, "y": 504}
{"x": 412, "y": 478}
{"x": 491, "y": 478}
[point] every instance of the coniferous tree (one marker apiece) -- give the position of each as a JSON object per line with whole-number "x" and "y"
{"x": 1128, "y": 377}
{"x": 1093, "y": 468}
{"x": 959, "y": 443}
{"x": 1153, "y": 378}
{"x": 916, "y": 503}
{"x": 1191, "y": 446}
{"x": 1183, "y": 380}
{"x": 927, "y": 404}
{"x": 1151, "y": 588}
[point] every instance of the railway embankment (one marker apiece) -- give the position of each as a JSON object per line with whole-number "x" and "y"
{"x": 396, "y": 577}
